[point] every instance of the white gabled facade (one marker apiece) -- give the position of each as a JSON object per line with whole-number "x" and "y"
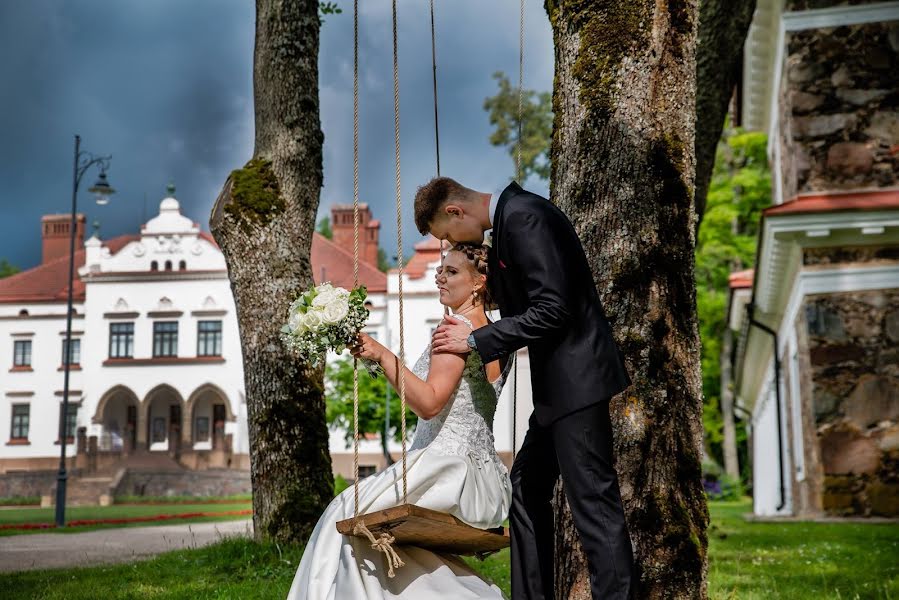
{"x": 158, "y": 366}
{"x": 133, "y": 386}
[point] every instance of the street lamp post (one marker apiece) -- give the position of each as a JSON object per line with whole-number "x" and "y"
{"x": 102, "y": 190}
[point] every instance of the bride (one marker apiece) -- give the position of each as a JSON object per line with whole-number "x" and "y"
{"x": 452, "y": 465}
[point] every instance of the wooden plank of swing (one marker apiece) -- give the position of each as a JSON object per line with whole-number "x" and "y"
{"x": 416, "y": 526}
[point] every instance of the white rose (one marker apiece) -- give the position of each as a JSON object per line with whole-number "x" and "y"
{"x": 325, "y": 298}
{"x": 313, "y": 320}
{"x": 335, "y": 311}
{"x": 297, "y": 321}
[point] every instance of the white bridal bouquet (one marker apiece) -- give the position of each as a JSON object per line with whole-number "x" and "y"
{"x": 326, "y": 318}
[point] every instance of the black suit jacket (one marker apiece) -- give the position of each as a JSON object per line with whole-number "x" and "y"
{"x": 540, "y": 278}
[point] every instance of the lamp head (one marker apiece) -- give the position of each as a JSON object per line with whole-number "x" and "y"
{"x": 102, "y": 190}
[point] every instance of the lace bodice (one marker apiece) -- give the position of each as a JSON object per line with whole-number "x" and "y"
{"x": 465, "y": 425}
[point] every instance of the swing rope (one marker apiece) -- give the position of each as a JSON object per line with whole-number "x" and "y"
{"x": 384, "y": 543}
{"x": 443, "y": 248}
{"x": 355, "y": 247}
{"x": 434, "y": 71}
{"x": 399, "y": 246}
{"x": 521, "y": 178}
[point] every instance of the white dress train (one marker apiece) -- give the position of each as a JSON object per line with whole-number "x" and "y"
{"x": 452, "y": 466}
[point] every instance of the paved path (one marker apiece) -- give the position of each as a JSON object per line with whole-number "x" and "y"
{"x": 103, "y": 546}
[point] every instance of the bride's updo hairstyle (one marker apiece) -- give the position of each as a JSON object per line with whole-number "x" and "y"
{"x": 477, "y": 258}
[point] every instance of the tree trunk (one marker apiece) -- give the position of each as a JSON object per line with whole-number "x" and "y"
{"x": 723, "y": 25}
{"x": 731, "y": 462}
{"x": 263, "y": 220}
{"x": 623, "y": 171}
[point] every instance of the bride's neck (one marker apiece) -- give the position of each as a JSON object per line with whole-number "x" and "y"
{"x": 474, "y": 313}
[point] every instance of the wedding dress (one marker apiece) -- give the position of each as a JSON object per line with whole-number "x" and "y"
{"x": 452, "y": 467}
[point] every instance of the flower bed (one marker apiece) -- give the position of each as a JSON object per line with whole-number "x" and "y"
{"x": 85, "y": 522}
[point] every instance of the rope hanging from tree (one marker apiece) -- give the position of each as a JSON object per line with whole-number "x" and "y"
{"x": 415, "y": 525}
{"x": 520, "y": 174}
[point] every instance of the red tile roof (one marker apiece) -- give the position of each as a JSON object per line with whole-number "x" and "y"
{"x": 332, "y": 263}
{"x": 49, "y": 282}
{"x": 741, "y": 279}
{"x": 854, "y": 200}
{"x": 426, "y": 251}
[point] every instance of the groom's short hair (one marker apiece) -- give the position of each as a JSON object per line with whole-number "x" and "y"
{"x": 433, "y": 195}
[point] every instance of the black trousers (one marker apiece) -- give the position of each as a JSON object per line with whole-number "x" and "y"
{"x": 579, "y": 447}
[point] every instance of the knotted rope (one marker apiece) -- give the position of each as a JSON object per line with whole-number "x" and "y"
{"x": 384, "y": 544}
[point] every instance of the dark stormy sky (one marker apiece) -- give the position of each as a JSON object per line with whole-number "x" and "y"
{"x": 165, "y": 86}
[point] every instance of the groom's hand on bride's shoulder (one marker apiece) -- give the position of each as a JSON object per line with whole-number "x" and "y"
{"x": 451, "y": 336}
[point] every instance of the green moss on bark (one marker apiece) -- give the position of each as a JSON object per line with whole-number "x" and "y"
{"x": 255, "y": 193}
{"x": 608, "y": 30}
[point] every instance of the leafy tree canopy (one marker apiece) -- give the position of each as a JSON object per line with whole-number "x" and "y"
{"x": 740, "y": 189}
{"x": 7, "y": 269}
{"x": 372, "y": 402}
{"x": 537, "y": 126}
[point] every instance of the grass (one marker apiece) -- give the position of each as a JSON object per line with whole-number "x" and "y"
{"x": 234, "y": 569}
{"x": 748, "y": 561}
{"x": 800, "y": 560}
{"x": 47, "y": 515}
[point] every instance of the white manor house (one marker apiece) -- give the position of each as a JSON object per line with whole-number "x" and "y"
{"x": 156, "y": 375}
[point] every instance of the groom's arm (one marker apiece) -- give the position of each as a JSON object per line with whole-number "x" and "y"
{"x": 537, "y": 249}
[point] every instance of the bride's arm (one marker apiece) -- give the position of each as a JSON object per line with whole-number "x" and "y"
{"x": 425, "y": 398}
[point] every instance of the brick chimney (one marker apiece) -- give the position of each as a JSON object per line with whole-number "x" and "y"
{"x": 342, "y": 226}
{"x": 55, "y": 232}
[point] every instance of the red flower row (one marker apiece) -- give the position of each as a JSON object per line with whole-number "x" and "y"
{"x": 83, "y": 522}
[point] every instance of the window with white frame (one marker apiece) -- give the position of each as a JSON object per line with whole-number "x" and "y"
{"x": 71, "y": 419}
{"x": 20, "y": 419}
{"x": 165, "y": 338}
{"x": 22, "y": 353}
{"x": 209, "y": 338}
{"x": 121, "y": 340}
{"x": 75, "y": 357}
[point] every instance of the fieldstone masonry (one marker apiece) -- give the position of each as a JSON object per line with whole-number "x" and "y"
{"x": 839, "y": 107}
{"x": 853, "y": 345}
{"x": 214, "y": 482}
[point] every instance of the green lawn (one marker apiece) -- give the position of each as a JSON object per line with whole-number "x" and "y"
{"x": 748, "y": 560}
{"x": 47, "y": 515}
{"x": 800, "y": 560}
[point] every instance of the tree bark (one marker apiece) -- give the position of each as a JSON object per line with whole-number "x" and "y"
{"x": 623, "y": 171}
{"x": 731, "y": 462}
{"x": 723, "y": 25}
{"x": 263, "y": 220}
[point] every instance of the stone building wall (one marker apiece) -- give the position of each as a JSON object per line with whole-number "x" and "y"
{"x": 853, "y": 351}
{"x": 224, "y": 482}
{"x": 27, "y": 484}
{"x": 839, "y": 108}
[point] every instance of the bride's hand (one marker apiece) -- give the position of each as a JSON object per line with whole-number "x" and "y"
{"x": 367, "y": 347}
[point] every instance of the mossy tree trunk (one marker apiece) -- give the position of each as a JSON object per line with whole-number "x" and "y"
{"x": 723, "y": 25}
{"x": 264, "y": 220}
{"x": 623, "y": 170}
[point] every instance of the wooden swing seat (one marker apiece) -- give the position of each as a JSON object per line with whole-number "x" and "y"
{"x": 416, "y": 526}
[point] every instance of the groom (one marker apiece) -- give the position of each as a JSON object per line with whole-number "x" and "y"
{"x": 539, "y": 277}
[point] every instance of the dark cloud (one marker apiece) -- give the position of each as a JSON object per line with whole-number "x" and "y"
{"x": 166, "y": 88}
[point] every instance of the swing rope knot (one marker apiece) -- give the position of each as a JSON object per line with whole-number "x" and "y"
{"x": 381, "y": 544}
